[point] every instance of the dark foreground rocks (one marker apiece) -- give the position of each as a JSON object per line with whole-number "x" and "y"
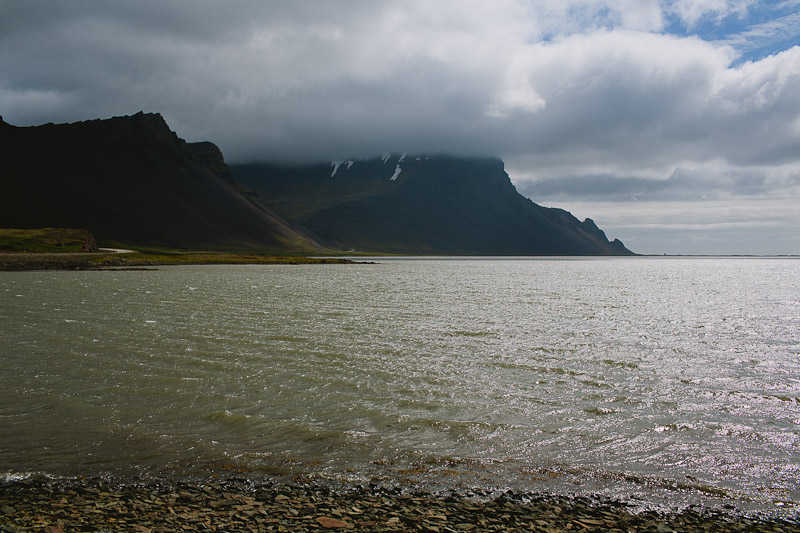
{"x": 96, "y": 505}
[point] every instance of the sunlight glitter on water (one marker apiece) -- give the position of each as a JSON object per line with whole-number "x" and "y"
{"x": 671, "y": 381}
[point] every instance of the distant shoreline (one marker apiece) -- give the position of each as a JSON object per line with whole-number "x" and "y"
{"x": 116, "y": 260}
{"x": 20, "y": 262}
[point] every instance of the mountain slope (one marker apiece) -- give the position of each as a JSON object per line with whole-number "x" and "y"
{"x": 132, "y": 180}
{"x": 422, "y": 205}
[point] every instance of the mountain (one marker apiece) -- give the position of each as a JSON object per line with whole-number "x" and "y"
{"x": 421, "y": 205}
{"x": 132, "y": 180}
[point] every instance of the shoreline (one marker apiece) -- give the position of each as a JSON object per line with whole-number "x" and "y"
{"x": 98, "y": 504}
{"x": 27, "y": 262}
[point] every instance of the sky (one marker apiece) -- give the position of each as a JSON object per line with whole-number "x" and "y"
{"x": 675, "y": 125}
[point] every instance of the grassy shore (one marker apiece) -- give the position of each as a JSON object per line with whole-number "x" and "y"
{"x": 208, "y": 258}
{"x": 76, "y": 249}
{"x": 96, "y": 505}
{"x": 147, "y": 260}
{"x": 46, "y": 240}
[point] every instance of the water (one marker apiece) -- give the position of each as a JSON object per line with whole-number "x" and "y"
{"x": 657, "y": 381}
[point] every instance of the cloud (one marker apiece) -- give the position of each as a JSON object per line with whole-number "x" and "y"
{"x": 763, "y": 226}
{"x": 591, "y": 98}
{"x": 712, "y": 180}
{"x": 766, "y": 33}
{"x": 305, "y": 79}
{"x": 691, "y": 12}
{"x": 643, "y": 105}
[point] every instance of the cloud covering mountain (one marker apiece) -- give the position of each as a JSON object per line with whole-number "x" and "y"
{"x": 674, "y": 124}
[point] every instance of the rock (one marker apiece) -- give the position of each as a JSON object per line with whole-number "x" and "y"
{"x": 333, "y": 523}
{"x": 80, "y": 506}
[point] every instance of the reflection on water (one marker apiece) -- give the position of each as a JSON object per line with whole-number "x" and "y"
{"x": 667, "y": 381}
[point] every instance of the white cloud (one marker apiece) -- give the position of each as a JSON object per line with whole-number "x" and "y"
{"x": 765, "y": 33}
{"x": 692, "y": 11}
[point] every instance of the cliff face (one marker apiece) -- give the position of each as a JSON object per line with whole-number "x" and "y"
{"x": 132, "y": 180}
{"x": 427, "y": 205}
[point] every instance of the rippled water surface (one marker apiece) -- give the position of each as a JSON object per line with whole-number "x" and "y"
{"x": 662, "y": 381}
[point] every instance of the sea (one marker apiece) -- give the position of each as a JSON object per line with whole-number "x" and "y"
{"x": 661, "y": 382}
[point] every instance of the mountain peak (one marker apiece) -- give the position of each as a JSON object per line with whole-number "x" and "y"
{"x": 155, "y": 121}
{"x": 132, "y": 180}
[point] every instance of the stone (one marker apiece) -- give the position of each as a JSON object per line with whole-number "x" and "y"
{"x": 287, "y": 508}
{"x": 333, "y": 523}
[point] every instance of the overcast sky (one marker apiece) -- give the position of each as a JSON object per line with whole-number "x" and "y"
{"x": 675, "y": 125}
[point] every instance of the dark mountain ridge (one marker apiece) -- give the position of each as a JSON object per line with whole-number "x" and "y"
{"x": 132, "y": 180}
{"x": 421, "y": 205}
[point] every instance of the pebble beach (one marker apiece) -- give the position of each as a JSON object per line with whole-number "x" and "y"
{"x": 58, "y": 506}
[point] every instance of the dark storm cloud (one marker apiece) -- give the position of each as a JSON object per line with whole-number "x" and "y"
{"x": 314, "y": 79}
{"x": 263, "y": 79}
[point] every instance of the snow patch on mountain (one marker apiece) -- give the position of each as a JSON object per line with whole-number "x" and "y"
{"x": 397, "y": 171}
{"x": 337, "y": 164}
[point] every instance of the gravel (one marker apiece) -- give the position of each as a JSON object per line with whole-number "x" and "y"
{"x": 57, "y": 506}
